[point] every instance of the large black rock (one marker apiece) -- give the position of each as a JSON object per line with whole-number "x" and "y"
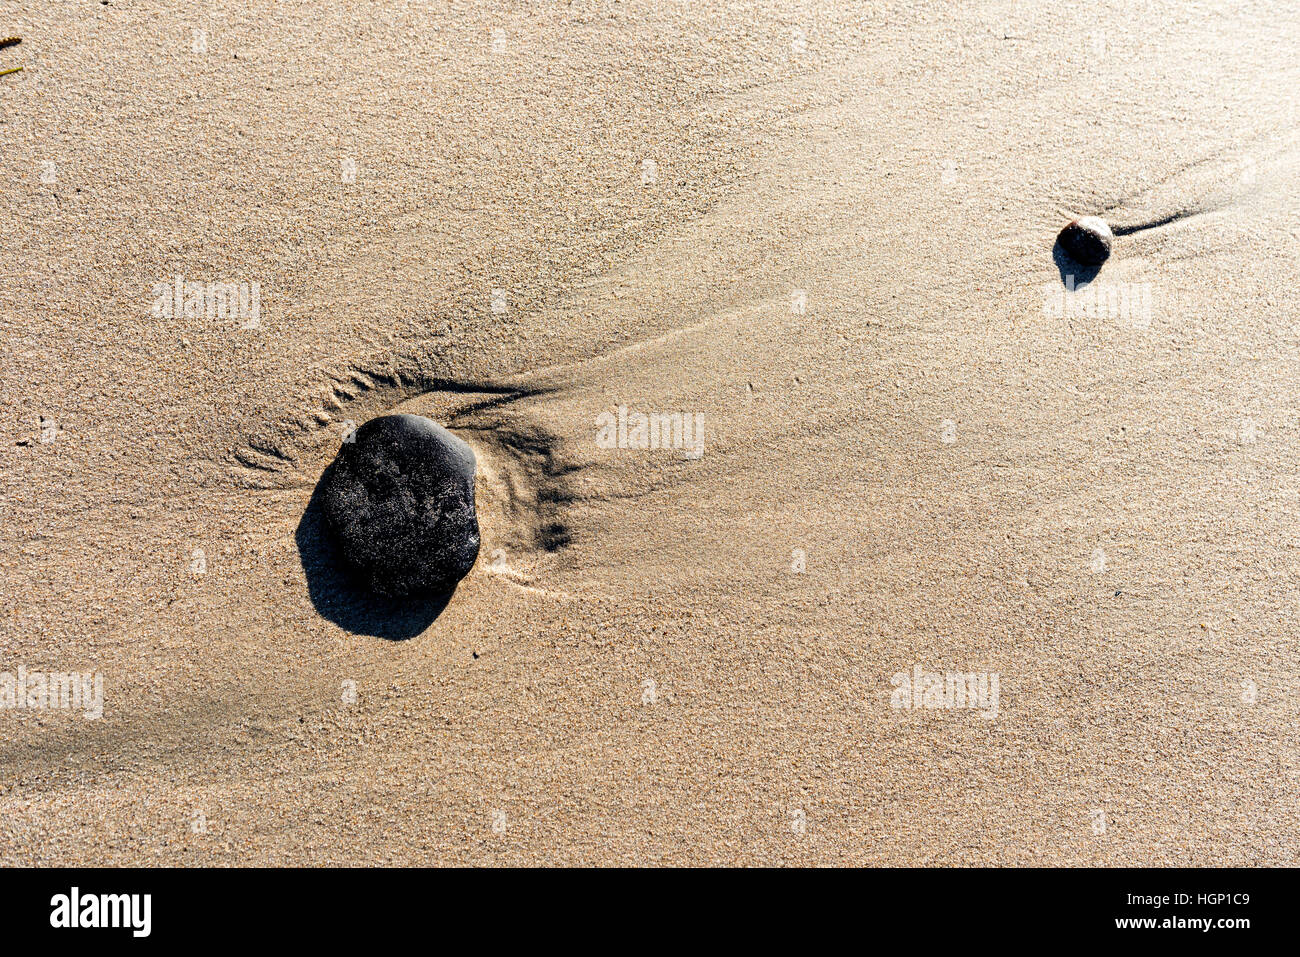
{"x": 399, "y": 501}
{"x": 1087, "y": 240}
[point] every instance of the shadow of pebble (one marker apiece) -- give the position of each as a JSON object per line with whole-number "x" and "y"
{"x": 335, "y": 595}
{"x": 1069, "y": 266}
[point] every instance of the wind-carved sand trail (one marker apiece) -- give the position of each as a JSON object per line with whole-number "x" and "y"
{"x": 842, "y": 261}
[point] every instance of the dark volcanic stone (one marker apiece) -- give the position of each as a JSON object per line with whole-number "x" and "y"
{"x": 400, "y": 503}
{"x": 1087, "y": 240}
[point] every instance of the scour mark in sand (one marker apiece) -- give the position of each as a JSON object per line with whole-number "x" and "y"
{"x": 276, "y": 457}
{"x": 279, "y": 451}
{"x": 1159, "y": 221}
{"x": 1207, "y": 185}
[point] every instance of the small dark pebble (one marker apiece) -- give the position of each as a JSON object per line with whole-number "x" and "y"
{"x": 1087, "y": 240}
{"x": 400, "y": 503}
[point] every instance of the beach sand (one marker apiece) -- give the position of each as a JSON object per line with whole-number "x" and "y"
{"x": 826, "y": 234}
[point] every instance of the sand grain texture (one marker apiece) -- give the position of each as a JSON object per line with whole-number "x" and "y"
{"x": 829, "y": 232}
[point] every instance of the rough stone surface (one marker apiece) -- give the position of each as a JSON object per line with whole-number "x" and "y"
{"x": 400, "y": 503}
{"x": 1087, "y": 240}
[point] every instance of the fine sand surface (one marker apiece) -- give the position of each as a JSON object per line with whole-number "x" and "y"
{"x": 825, "y": 228}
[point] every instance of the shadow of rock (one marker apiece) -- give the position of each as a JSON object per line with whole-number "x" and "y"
{"x": 1071, "y": 267}
{"x": 336, "y": 596}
